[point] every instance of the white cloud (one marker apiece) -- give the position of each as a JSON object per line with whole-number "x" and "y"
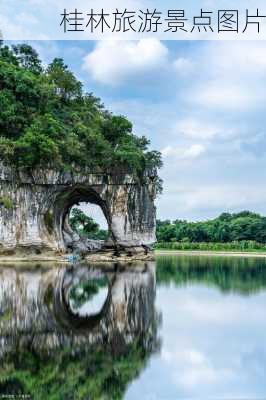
{"x": 112, "y": 61}
{"x": 213, "y": 197}
{"x": 229, "y": 75}
{"x": 194, "y": 151}
{"x": 226, "y": 95}
{"x": 183, "y": 65}
{"x": 237, "y": 58}
{"x": 194, "y": 128}
{"x": 194, "y": 368}
{"x": 27, "y": 18}
{"x": 189, "y": 153}
{"x": 192, "y": 377}
{"x": 11, "y": 28}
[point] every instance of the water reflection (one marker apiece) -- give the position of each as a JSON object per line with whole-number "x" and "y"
{"x": 243, "y": 275}
{"x": 80, "y": 333}
{"x": 213, "y": 330}
{"x": 99, "y": 332}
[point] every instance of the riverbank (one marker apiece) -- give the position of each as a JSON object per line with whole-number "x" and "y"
{"x": 31, "y": 259}
{"x": 101, "y": 257}
{"x": 128, "y": 256}
{"x": 211, "y": 253}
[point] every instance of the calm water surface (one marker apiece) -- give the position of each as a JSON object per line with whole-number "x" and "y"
{"x": 185, "y": 327}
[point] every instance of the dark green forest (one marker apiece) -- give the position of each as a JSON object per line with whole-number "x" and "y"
{"x": 48, "y": 119}
{"x": 244, "y": 227}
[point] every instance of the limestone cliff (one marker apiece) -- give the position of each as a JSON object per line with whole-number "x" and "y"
{"x": 34, "y": 209}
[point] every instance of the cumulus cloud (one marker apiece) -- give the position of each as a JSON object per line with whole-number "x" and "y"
{"x": 226, "y": 95}
{"x": 112, "y": 62}
{"x": 195, "y": 128}
{"x": 226, "y": 57}
{"x": 190, "y": 153}
{"x": 215, "y": 197}
{"x": 229, "y": 76}
{"x": 219, "y": 95}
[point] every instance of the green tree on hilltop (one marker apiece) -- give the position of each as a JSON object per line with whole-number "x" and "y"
{"x": 47, "y": 120}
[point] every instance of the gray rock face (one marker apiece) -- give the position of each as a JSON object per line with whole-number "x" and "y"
{"x": 34, "y": 209}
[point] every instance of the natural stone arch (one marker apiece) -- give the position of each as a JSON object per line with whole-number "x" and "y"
{"x": 69, "y": 197}
{"x": 38, "y": 204}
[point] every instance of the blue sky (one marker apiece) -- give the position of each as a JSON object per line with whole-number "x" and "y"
{"x": 201, "y": 103}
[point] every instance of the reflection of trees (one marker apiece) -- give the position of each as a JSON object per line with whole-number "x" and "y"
{"x": 89, "y": 374}
{"x": 236, "y": 274}
{"x": 81, "y": 293}
{"x": 42, "y": 355}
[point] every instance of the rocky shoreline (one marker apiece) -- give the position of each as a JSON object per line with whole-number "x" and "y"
{"x": 125, "y": 256}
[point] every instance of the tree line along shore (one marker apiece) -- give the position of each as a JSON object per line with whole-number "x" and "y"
{"x": 244, "y": 231}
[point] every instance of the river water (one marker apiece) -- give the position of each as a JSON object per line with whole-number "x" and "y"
{"x": 183, "y": 327}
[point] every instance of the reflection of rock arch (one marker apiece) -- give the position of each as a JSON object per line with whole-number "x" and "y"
{"x": 38, "y": 205}
{"x": 37, "y": 303}
{"x": 110, "y": 353}
{"x": 61, "y": 302}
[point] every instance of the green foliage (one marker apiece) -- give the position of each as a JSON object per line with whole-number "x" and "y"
{"x": 242, "y": 229}
{"x": 86, "y": 226}
{"x": 6, "y": 202}
{"x": 39, "y": 144}
{"x": 88, "y": 373}
{"x": 114, "y": 128}
{"x": 46, "y": 119}
{"x": 244, "y": 246}
{"x": 65, "y": 84}
{"x": 7, "y": 54}
{"x": 7, "y": 148}
{"x": 23, "y": 96}
{"x": 28, "y": 58}
{"x": 82, "y": 293}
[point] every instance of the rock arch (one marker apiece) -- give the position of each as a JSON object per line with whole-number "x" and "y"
{"x": 61, "y": 207}
{"x": 34, "y": 208}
